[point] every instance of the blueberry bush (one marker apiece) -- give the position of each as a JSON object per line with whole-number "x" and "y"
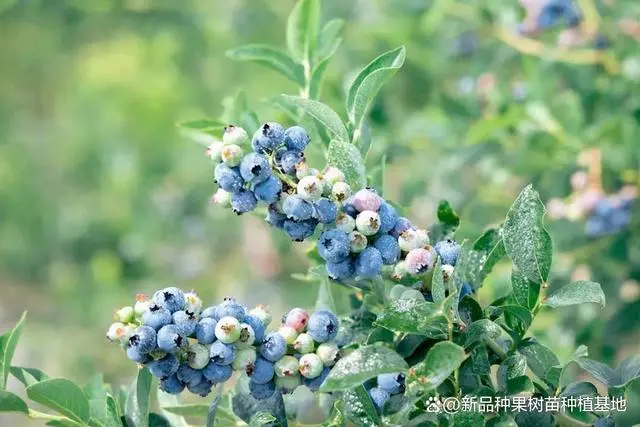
{"x": 415, "y": 332}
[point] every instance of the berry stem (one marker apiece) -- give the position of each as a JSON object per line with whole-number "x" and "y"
{"x": 496, "y": 348}
{"x": 33, "y": 414}
{"x": 213, "y": 407}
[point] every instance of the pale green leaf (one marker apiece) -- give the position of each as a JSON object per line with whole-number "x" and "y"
{"x": 272, "y": 58}
{"x": 575, "y": 293}
{"x": 322, "y": 113}
{"x": 440, "y": 362}
{"x": 8, "y": 344}
{"x": 302, "y": 29}
{"x": 62, "y": 396}
{"x": 347, "y": 158}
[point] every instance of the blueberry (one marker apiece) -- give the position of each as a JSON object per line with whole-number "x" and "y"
{"x": 143, "y": 339}
{"x": 170, "y": 298}
{"x": 402, "y": 224}
{"x": 262, "y": 391}
{"x": 275, "y": 217}
{"x": 620, "y": 218}
{"x": 289, "y": 160}
{"x": 229, "y": 179}
{"x": 188, "y": 375}
{"x": 389, "y": 249}
{"x": 449, "y": 250}
{"x": 222, "y": 354}
{"x": 296, "y": 318}
{"x": 230, "y": 307}
{"x": 300, "y": 230}
{"x": 257, "y": 325}
{"x": 314, "y": 384}
{"x": 243, "y": 201}
{"x": 269, "y": 190}
{"x": 466, "y": 289}
{"x": 595, "y": 226}
{"x": 186, "y": 321}
{"x": 134, "y": 355}
{"x": 261, "y": 371}
{"x": 379, "y": 397}
{"x": 420, "y": 260}
{"x": 349, "y": 209}
{"x": 165, "y": 367}
{"x": 206, "y": 330}
{"x": 388, "y": 217}
{"x": 369, "y": 263}
{"x": 296, "y": 138}
{"x": 268, "y": 138}
{"x": 296, "y": 208}
{"x": 202, "y": 389}
{"x": 216, "y": 373}
{"x": 156, "y": 317}
{"x": 171, "y": 338}
{"x": 325, "y": 211}
{"x": 323, "y": 326}
{"x": 171, "y": 385}
{"x": 333, "y": 245}
{"x": 341, "y": 270}
{"x": 604, "y": 208}
{"x": 210, "y": 312}
{"x": 273, "y": 347}
{"x": 255, "y": 168}
{"x": 392, "y": 383}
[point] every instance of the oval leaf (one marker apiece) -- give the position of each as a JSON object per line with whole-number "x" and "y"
{"x": 8, "y": 343}
{"x": 329, "y": 39}
{"x": 272, "y": 58}
{"x": 577, "y": 293}
{"x": 28, "y": 376}
{"x": 9, "y": 402}
{"x": 302, "y": 29}
{"x": 360, "y": 408}
{"x": 322, "y": 113}
{"x": 63, "y": 396}
{"x": 480, "y": 330}
{"x": 525, "y": 291}
{"x": 137, "y": 406}
{"x": 414, "y": 317}
{"x": 361, "y": 365}
{"x": 347, "y": 158}
{"x": 539, "y": 358}
{"x": 526, "y": 241}
{"x": 440, "y": 362}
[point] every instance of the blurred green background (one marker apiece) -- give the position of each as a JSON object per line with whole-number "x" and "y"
{"x": 101, "y": 197}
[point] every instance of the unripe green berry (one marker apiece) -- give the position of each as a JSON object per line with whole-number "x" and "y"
{"x": 286, "y": 367}
{"x": 447, "y": 271}
{"x": 228, "y": 330}
{"x": 304, "y": 344}
{"x": 302, "y": 169}
{"x": 115, "y": 331}
{"x": 332, "y": 175}
{"x": 222, "y": 198}
{"x": 396, "y": 292}
{"x": 142, "y": 304}
{"x": 399, "y": 271}
{"x": 234, "y": 135}
{"x": 263, "y": 313}
{"x": 310, "y": 188}
{"x": 232, "y": 155}
{"x": 198, "y": 356}
{"x": 288, "y": 384}
{"x": 247, "y": 336}
{"x": 412, "y": 294}
{"x": 244, "y": 358}
{"x": 329, "y": 353}
{"x": 193, "y": 303}
{"x": 345, "y": 222}
{"x": 357, "y": 242}
{"x": 310, "y": 365}
{"x": 124, "y": 315}
{"x": 214, "y": 151}
{"x": 340, "y": 191}
{"x": 288, "y": 333}
{"x": 368, "y": 222}
{"x": 412, "y": 239}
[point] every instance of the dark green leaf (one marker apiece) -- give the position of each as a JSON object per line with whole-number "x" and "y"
{"x": 380, "y": 335}
{"x": 521, "y": 313}
{"x": 440, "y": 362}
{"x": 322, "y": 113}
{"x": 481, "y": 330}
{"x": 63, "y": 396}
{"x": 526, "y": 241}
{"x": 485, "y": 253}
{"x": 137, "y": 406}
{"x": 511, "y": 367}
{"x": 576, "y": 293}
{"x": 302, "y": 29}
{"x": 580, "y": 388}
{"x": 329, "y": 40}
{"x": 360, "y": 408}
{"x": 501, "y": 421}
{"x": 28, "y": 376}
{"x": 534, "y": 419}
{"x": 272, "y": 58}
{"x": 517, "y": 385}
{"x": 408, "y": 344}
{"x": 629, "y": 370}
{"x": 347, "y": 158}
{"x": 480, "y": 360}
{"x": 8, "y": 343}
{"x": 448, "y": 217}
{"x": 157, "y": 420}
{"x": 539, "y": 358}
{"x": 437, "y": 285}
{"x": 414, "y": 317}
{"x": 599, "y": 371}
{"x": 261, "y": 419}
{"x": 9, "y": 402}
{"x": 361, "y": 365}
{"x": 525, "y": 291}
{"x": 468, "y": 419}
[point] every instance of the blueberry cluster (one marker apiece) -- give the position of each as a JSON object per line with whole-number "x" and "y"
{"x": 609, "y": 216}
{"x": 275, "y": 172}
{"x": 387, "y": 386}
{"x": 187, "y": 347}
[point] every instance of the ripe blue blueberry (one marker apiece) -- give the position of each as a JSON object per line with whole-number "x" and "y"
{"x": 379, "y": 397}
{"x": 296, "y": 208}
{"x": 206, "y": 330}
{"x": 314, "y": 384}
{"x": 300, "y": 230}
{"x": 257, "y": 326}
{"x": 333, "y": 245}
{"x": 325, "y": 211}
{"x": 323, "y": 326}
{"x": 296, "y": 138}
{"x": 188, "y": 375}
{"x": 216, "y": 373}
{"x": 369, "y": 263}
{"x": 156, "y": 317}
{"x": 349, "y": 209}
{"x": 449, "y": 250}
{"x": 202, "y": 389}
{"x": 134, "y": 355}
{"x": 243, "y": 201}
{"x": 143, "y": 339}
{"x": 389, "y": 249}
{"x": 171, "y": 385}
{"x": 230, "y": 307}
{"x": 209, "y": 312}
{"x": 466, "y": 289}
{"x": 170, "y": 298}
{"x": 289, "y": 160}
{"x": 261, "y": 372}
{"x": 402, "y": 224}
{"x": 273, "y": 347}
{"x": 255, "y": 168}
{"x": 342, "y": 270}
{"x": 262, "y": 391}
{"x": 222, "y": 354}
{"x": 275, "y": 217}
{"x": 269, "y": 190}
{"x": 267, "y": 138}
{"x": 392, "y": 383}
{"x": 388, "y": 217}
{"x": 229, "y": 179}
{"x": 165, "y": 367}
{"x": 171, "y": 338}
{"x": 186, "y": 321}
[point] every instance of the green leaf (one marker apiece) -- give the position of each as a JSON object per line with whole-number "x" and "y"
{"x": 324, "y": 299}
{"x": 521, "y": 313}
{"x": 302, "y": 29}
{"x": 448, "y": 217}
{"x": 468, "y": 419}
{"x": 96, "y": 393}
{"x": 208, "y": 126}
{"x": 246, "y": 406}
{"x": 511, "y": 367}
{"x": 501, "y": 421}
{"x": 360, "y": 408}
{"x": 62, "y": 396}
{"x": 367, "y": 84}
{"x": 113, "y": 412}
{"x": 8, "y": 343}
{"x": 28, "y": 376}
{"x": 599, "y": 371}
{"x": 481, "y": 330}
{"x": 525, "y": 291}
{"x": 137, "y": 406}
{"x": 440, "y": 362}
{"x": 261, "y": 419}
{"x": 580, "y": 388}
{"x": 526, "y": 241}
{"x": 629, "y": 370}
{"x": 322, "y": 113}
{"x": 10, "y": 402}
{"x": 517, "y": 385}
{"x": 157, "y": 420}
{"x": 361, "y": 365}
{"x": 575, "y": 293}
{"x": 190, "y": 410}
{"x": 168, "y": 400}
{"x": 413, "y": 316}
{"x": 317, "y": 77}
{"x": 539, "y": 358}
{"x": 271, "y": 58}
{"x": 485, "y": 253}
{"x": 437, "y": 285}
{"x": 348, "y": 159}
{"x": 337, "y": 415}
{"x": 329, "y": 39}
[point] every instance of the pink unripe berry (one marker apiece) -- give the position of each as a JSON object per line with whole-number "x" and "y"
{"x": 420, "y": 260}
{"x": 297, "y": 318}
{"x": 366, "y": 200}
